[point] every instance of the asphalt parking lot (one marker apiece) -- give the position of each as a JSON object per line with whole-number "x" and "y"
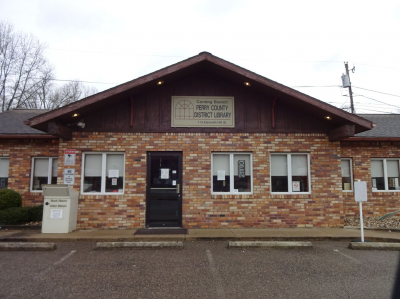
{"x": 201, "y": 270}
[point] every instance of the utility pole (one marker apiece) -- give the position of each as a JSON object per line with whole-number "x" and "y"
{"x": 349, "y": 86}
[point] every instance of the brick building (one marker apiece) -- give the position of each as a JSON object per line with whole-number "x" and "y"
{"x": 204, "y": 143}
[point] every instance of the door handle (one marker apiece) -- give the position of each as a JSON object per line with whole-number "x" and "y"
{"x": 178, "y": 188}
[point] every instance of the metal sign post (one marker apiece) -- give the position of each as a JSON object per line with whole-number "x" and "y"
{"x": 360, "y": 195}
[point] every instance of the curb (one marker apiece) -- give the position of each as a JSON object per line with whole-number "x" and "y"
{"x": 189, "y": 238}
{"x": 269, "y": 245}
{"x": 394, "y": 229}
{"x": 139, "y": 245}
{"x": 17, "y": 246}
{"x": 20, "y": 227}
{"x": 374, "y": 246}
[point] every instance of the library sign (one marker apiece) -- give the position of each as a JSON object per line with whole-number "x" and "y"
{"x": 203, "y": 112}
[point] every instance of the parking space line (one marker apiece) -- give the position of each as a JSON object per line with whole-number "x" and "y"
{"x": 348, "y": 256}
{"x": 216, "y": 276}
{"x": 64, "y": 258}
{"x": 44, "y": 272}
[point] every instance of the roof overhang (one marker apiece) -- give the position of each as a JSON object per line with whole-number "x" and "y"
{"x": 206, "y": 62}
{"x": 371, "y": 139}
{"x": 27, "y": 136}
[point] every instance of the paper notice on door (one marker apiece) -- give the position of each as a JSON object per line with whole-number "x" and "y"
{"x": 221, "y": 175}
{"x": 173, "y": 183}
{"x": 164, "y": 173}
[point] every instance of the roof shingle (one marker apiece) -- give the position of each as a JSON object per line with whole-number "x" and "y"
{"x": 12, "y": 122}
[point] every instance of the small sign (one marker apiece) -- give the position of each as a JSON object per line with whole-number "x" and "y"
{"x": 114, "y": 182}
{"x": 360, "y": 191}
{"x": 56, "y": 213}
{"x": 221, "y": 175}
{"x": 173, "y": 183}
{"x": 296, "y": 186}
{"x": 69, "y": 157}
{"x": 113, "y": 173}
{"x": 241, "y": 169}
{"x": 69, "y": 176}
{"x": 164, "y": 173}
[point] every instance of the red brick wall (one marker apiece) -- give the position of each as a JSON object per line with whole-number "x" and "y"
{"x": 21, "y": 152}
{"x": 379, "y": 203}
{"x": 323, "y": 207}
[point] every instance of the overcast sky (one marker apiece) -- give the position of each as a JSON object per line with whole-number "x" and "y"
{"x": 296, "y": 43}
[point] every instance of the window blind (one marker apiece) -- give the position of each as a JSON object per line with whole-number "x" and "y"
{"x": 279, "y": 165}
{"x": 93, "y": 164}
{"x": 4, "y": 167}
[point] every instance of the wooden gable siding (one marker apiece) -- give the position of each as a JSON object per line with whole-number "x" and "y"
{"x": 152, "y": 110}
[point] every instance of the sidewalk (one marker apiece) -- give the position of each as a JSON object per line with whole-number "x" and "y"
{"x": 266, "y": 234}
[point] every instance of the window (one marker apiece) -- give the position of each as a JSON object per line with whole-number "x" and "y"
{"x": 232, "y": 173}
{"x": 44, "y": 171}
{"x": 103, "y": 173}
{"x": 385, "y": 174}
{"x": 290, "y": 173}
{"x": 4, "y": 165}
{"x": 347, "y": 175}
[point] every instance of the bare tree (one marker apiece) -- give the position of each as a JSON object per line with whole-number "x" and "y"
{"x": 26, "y": 77}
{"x": 68, "y": 93}
{"x": 21, "y": 67}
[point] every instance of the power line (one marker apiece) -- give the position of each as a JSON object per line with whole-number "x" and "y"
{"x": 250, "y": 59}
{"x": 389, "y": 94}
{"x": 316, "y": 86}
{"x": 81, "y": 81}
{"x": 373, "y": 111}
{"x": 379, "y": 101}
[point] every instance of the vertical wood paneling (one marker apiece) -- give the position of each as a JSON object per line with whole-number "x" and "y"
{"x": 252, "y": 112}
{"x": 152, "y": 109}
{"x": 293, "y": 120}
{"x": 165, "y": 106}
{"x": 139, "y": 112}
{"x": 265, "y": 114}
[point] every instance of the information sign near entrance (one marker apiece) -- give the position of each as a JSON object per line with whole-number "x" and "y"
{"x": 164, "y": 189}
{"x": 360, "y": 195}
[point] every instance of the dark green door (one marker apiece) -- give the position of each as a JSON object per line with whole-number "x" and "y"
{"x": 164, "y": 189}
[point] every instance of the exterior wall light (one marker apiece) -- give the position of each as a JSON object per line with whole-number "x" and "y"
{"x": 75, "y": 115}
{"x": 247, "y": 83}
{"x": 160, "y": 82}
{"x": 328, "y": 117}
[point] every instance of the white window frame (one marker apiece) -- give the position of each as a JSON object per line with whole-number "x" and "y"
{"x": 103, "y": 173}
{"x": 8, "y": 173}
{"x": 385, "y": 176}
{"x": 351, "y": 173}
{"x": 231, "y": 174}
{"x": 49, "y": 171}
{"x": 289, "y": 171}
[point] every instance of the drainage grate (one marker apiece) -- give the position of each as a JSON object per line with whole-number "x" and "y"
{"x": 146, "y": 231}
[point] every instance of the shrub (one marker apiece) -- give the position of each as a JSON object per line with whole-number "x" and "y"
{"x": 13, "y": 216}
{"x": 9, "y": 199}
{"x": 35, "y": 213}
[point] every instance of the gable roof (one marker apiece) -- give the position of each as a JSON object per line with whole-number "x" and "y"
{"x": 203, "y": 61}
{"x": 12, "y": 123}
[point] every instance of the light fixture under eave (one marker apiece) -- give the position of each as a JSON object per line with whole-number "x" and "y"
{"x": 328, "y": 117}
{"x": 81, "y": 124}
{"x": 247, "y": 83}
{"x": 75, "y": 115}
{"x": 160, "y": 82}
